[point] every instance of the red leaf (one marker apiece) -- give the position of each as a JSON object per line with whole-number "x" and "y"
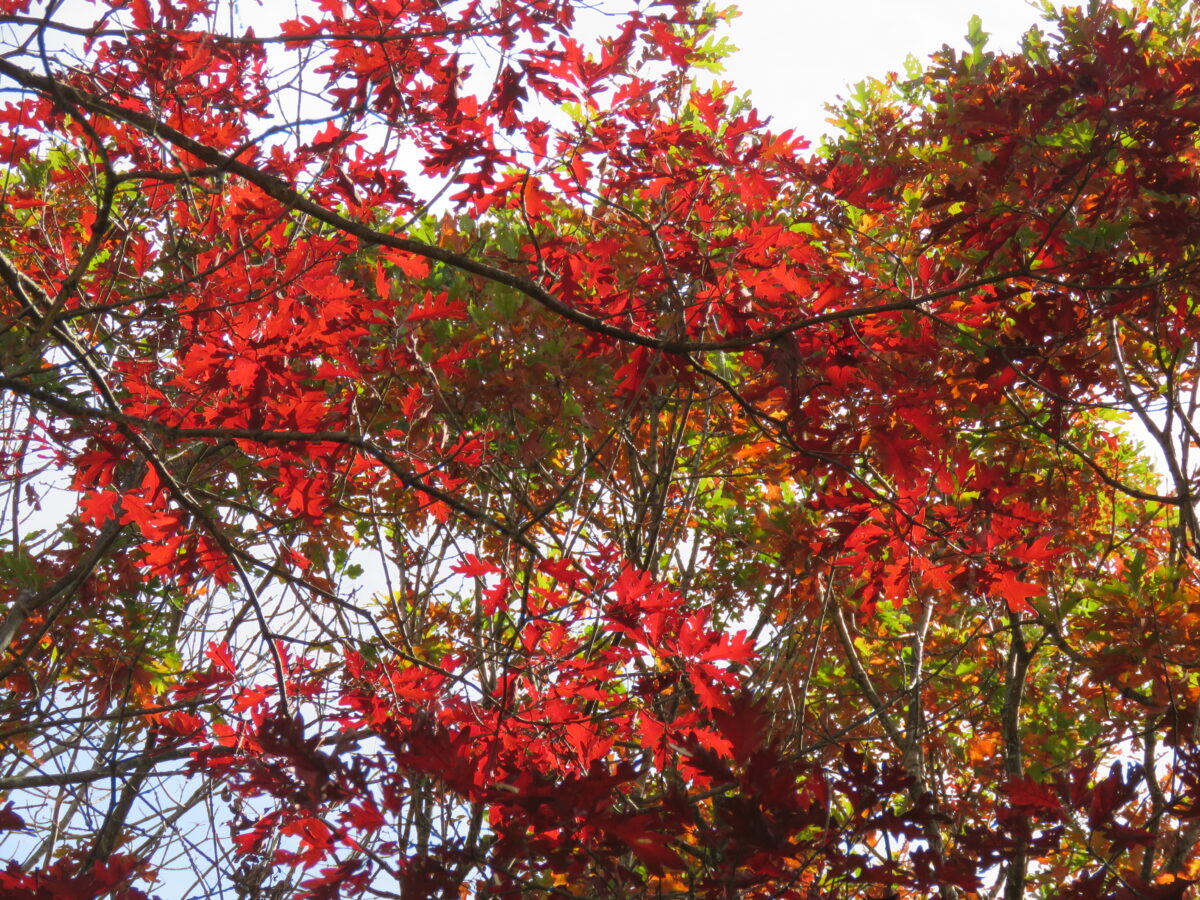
{"x": 563, "y": 570}
{"x": 648, "y": 846}
{"x": 9, "y": 820}
{"x": 1027, "y": 794}
{"x": 438, "y": 307}
{"x": 1016, "y": 593}
{"x": 474, "y": 567}
{"x": 409, "y": 263}
{"x": 251, "y": 697}
{"x": 98, "y": 507}
{"x": 221, "y": 657}
{"x": 364, "y": 816}
{"x": 496, "y": 598}
{"x": 736, "y": 648}
{"x": 710, "y": 696}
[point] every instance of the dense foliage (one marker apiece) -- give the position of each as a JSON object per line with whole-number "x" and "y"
{"x": 456, "y": 448}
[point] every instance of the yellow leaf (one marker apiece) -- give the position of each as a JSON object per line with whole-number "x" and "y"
{"x": 981, "y": 749}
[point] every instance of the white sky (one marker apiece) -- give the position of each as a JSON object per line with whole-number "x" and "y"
{"x": 797, "y": 55}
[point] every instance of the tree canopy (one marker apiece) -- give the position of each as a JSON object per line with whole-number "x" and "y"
{"x": 459, "y": 448}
